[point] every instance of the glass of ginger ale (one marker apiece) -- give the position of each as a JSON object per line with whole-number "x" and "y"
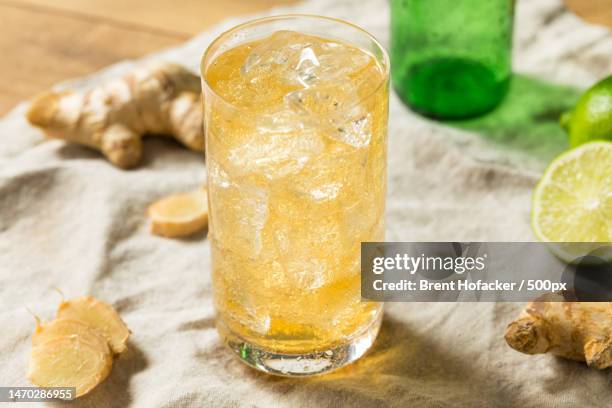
{"x": 296, "y": 114}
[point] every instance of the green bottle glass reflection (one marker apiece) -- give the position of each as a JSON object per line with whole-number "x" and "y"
{"x": 451, "y": 59}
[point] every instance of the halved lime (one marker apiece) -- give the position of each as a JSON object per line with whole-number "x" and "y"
{"x": 572, "y": 203}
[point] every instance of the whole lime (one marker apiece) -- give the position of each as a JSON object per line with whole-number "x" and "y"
{"x": 591, "y": 119}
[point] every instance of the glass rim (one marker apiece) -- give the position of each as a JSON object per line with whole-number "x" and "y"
{"x": 386, "y": 65}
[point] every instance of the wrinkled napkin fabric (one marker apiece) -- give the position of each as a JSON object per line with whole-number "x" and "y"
{"x": 69, "y": 219}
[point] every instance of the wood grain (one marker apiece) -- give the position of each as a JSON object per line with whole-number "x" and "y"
{"x": 41, "y": 50}
{"x": 595, "y": 11}
{"x": 181, "y": 16}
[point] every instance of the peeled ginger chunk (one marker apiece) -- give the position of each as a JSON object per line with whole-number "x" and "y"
{"x": 99, "y": 316}
{"x": 69, "y": 361}
{"x": 69, "y": 327}
{"x": 179, "y": 215}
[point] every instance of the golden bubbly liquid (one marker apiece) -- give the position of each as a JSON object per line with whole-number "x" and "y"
{"x": 296, "y": 158}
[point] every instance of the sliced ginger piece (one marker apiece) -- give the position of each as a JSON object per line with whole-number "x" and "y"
{"x": 98, "y": 315}
{"x": 69, "y": 361}
{"x": 68, "y": 327}
{"x": 179, "y": 215}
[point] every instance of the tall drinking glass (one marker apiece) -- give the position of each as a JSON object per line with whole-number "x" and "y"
{"x": 296, "y": 120}
{"x": 451, "y": 59}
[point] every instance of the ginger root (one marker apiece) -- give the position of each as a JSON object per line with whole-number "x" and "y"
{"x": 179, "y": 215}
{"x": 160, "y": 99}
{"x": 580, "y": 331}
{"x": 69, "y": 361}
{"x": 99, "y": 315}
{"x": 76, "y": 349}
{"x": 47, "y": 331}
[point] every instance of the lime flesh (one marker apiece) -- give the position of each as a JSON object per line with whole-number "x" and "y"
{"x": 573, "y": 201}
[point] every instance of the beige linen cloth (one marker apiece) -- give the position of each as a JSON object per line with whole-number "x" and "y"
{"x": 70, "y": 219}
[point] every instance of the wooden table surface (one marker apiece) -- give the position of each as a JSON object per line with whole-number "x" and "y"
{"x": 47, "y": 41}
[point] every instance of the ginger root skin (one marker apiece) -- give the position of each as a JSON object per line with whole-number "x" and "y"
{"x": 580, "y": 331}
{"x": 162, "y": 98}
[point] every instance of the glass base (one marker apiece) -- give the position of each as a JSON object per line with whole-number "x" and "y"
{"x": 301, "y": 365}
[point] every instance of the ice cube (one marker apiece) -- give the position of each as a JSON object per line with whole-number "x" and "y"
{"x": 336, "y": 109}
{"x": 301, "y": 60}
{"x": 325, "y": 192}
{"x": 280, "y": 145}
{"x": 307, "y": 262}
{"x": 216, "y": 175}
{"x": 252, "y": 61}
{"x": 277, "y": 58}
{"x": 308, "y": 274}
{"x": 250, "y": 211}
{"x": 240, "y": 211}
{"x": 322, "y": 101}
{"x": 356, "y": 132}
{"x": 307, "y": 67}
{"x": 338, "y": 61}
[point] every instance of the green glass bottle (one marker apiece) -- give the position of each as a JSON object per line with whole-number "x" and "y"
{"x": 451, "y": 59}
